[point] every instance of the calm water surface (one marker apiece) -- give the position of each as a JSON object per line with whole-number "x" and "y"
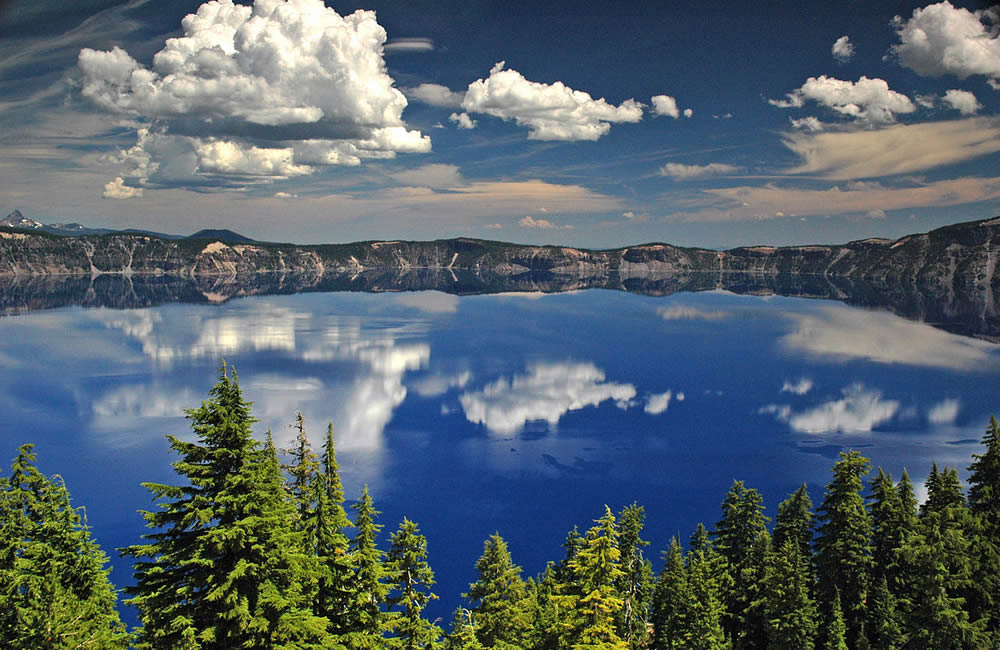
{"x": 521, "y": 413}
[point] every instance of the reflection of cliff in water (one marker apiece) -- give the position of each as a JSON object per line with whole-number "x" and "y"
{"x": 955, "y": 311}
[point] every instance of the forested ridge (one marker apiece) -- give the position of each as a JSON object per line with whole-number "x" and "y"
{"x": 254, "y": 548}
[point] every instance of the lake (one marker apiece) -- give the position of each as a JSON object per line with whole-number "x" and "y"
{"x": 522, "y": 413}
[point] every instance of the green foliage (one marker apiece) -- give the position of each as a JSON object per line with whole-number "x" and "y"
{"x": 367, "y": 622}
{"x": 636, "y": 584}
{"x": 795, "y": 521}
{"x": 498, "y": 598}
{"x": 737, "y": 535}
{"x": 463, "y": 632}
{"x": 843, "y": 546}
{"x": 836, "y": 630}
{"x": 883, "y": 626}
{"x": 786, "y": 598}
{"x": 54, "y": 588}
{"x": 984, "y": 505}
{"x": 226, "y": 568}
{"x": 670, "y": 600}
{"x": 413, "y": 578}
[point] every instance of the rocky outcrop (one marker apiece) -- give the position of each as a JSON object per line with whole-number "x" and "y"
{"x": 948, "y": 275}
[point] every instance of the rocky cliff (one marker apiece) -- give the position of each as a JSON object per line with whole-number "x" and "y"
{"x": 946, "y": 275}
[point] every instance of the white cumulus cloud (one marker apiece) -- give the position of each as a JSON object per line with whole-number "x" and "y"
{"x": 268, "y": 90}
{"x": 868, "y": 101}
{"x": 117, "y": 189}
{"x": 859, "y": 410}
{"x": 942, "y": 39}
{"x": 843, "y": 49}
{"x": 665, "y": 105}
{"x": 681, "y": 172}
{"x": 962, "y": 101}
{"x": 462, "y": 120}
{"x": 551, "y": 111}
{"x": 435, "y": 95}
{"x": 546, "y": 392}
{"x": 542, "y": 224}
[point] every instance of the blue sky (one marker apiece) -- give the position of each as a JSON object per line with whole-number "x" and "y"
{"x": 585, "y": 124}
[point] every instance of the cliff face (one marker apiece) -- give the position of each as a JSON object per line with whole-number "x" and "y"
{"x": 948, "y": 274}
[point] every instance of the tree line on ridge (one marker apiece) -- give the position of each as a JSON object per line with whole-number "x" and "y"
{"x": 248, "y": 552}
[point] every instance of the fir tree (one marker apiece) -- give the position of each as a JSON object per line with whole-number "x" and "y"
{"x": 463, "y": 632}
{"x": 302, "y": 470}
{"x": 596, "y": 569}
{"x": 883, "y": 626}
{"x": 368, "y": 622}
{"x": 225, "y": 569}
{"x": 325, "y": 527}
{"x": 836, "y": 629}
{"x": 786, "y": 598}
{"x": 886, "y": 516}
{"x": 54, "y": 587}
{"x": 704, "y": 609}
{"x": 636, "y": 584}
{"x": 736, "y": 534}
{"x": 795, "y": 521}
{"x": 984, "y": 506}
{"x": 413, "y": 578}
{"x": 498, "y": 598}
{"x": 670, "y": 599}
{"x": 843, "y": 545}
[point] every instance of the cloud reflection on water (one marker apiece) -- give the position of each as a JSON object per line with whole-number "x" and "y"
{"x": 546, "y": 392}
{"x": 839, "y": 332}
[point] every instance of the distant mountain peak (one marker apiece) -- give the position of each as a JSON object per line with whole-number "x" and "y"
{"x": 17, "y": 220}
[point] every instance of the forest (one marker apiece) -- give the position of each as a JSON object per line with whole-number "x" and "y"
{"x": 254, "y": 548}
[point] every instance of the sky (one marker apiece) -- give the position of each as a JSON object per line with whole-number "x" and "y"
{"x": 575, "y": 123}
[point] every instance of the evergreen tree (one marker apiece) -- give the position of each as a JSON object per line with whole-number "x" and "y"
{"x": 302, "y": 470}
{"x": 984, "y": 505}
{"x": 463, "y": 632}
{"x": 670, "y": 599}
{"x": 886, "y": 515}
{"x": 636, "y": 584}
{"x": 883, "y": 627}
{"x": 738, "y": 532}
{"x": 325, "y": 526}
{"x": 368, "y": 622}
{"x": 225, "y": 569}
{"x": 786, "y": 598}
{"x": 498, "y": 598}
{"x": 836, "y": 629}
{"x": 413, "y": 578}
{"x": 54, "y": 587}
{"x": 596, "y": 569}
{"x": 944, "y": 491}
{"x": 795, "y": 521}
{"x": 704, "y": 609}
{"x": 843, "y": 546}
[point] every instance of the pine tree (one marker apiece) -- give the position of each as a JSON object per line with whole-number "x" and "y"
{"x": 836, "y": 629}
{"x": 413, "y": 578}
{"x": 325, "y": 525}
{"x": 636, "y": 584}
{"x": 596, "y": 569}
{"x": 886, "y": 516}
{"x": 498, "y": 598}
{"x": 944, "y": 491}
{"x": 742, "y": 525}
{"x": 883, "y": 626}
{"x": 844, "y": 543}
{"x": 54, "y": 587}
{"x": 786, "y": 598}
{"x": 368, "y": 622}
{"x": 795, "y": 521}
{"x": 225, "y": 569}
{"x": 704, "y": 609}
{"x": 302, "y": 470}
{"x": 984, "y": 506}
{"x": 670, "y": 599}
{"x": 463, "y": 632}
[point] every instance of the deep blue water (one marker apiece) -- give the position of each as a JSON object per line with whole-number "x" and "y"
{"x": 523, "y": 414}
